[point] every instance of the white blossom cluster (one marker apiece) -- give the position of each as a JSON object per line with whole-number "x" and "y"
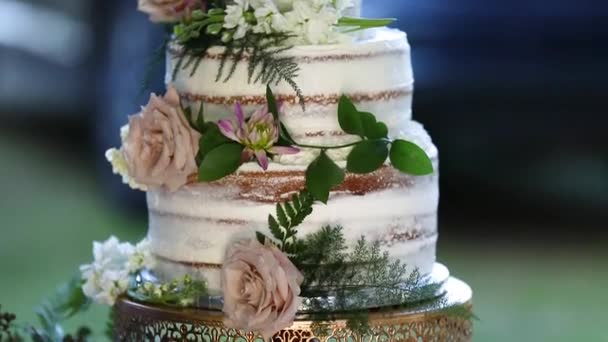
{"x": 107, "y": 277}
{"x": 116, "y": 157}
{"x": 309, "y": 21}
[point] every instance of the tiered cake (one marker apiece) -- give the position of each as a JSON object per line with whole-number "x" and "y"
{"x": 284, "y": 177}
{"x": 191, "y": 229}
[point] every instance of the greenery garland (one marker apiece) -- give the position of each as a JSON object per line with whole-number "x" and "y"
{"x": 220, "y": 156}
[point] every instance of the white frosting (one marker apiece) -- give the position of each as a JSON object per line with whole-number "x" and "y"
{"x": 196, "y": 225}
{"x": 376, "y": 73}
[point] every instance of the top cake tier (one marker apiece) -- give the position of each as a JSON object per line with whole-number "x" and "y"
{"x": 375, "y": 73}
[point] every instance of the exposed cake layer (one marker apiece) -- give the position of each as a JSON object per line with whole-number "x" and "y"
{"x": 191, "y": 229}
{"x": 375, "y": 73}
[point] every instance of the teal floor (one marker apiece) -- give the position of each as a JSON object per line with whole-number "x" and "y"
{"x": 51, "y": 209}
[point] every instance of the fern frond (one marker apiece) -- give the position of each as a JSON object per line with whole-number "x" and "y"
{"x": 289, "y": 215}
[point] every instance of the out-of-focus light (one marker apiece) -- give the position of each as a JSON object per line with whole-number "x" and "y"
{"x": 43, "y": 32}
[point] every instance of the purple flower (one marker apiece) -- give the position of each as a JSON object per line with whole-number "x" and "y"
{"x": 258, "y": 134}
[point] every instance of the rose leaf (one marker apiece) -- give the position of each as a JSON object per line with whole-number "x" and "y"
{"x": 367, "y": 156}
{"x": 322, "y": 175}
{"x": 409, "y": 158}
{"x": 220, "y": 162}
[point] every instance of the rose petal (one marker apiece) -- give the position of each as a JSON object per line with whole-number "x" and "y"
{"x": 269, "y": 281}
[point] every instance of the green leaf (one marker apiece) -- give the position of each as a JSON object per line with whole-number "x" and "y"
{"x": 261, "y": 238}
{"x": 220, "y": 162}
{"x": 285, "y": 137}
{"x": 289, "y": 210}
{"x": 211, "y": 139}
{"x": 322, "y": 175}
{"x": 274, "y": 227}
{"x": 272, "y": 103}
{"x": 281, "y": 216}
{"x": 349, "y": 118}
{"x": 200, "y": 119}
{"x": 367, "y": 156}
{"x": 372, "y": 128}
{"x": 296, "y": 202}
{"x": 188, "y": 114}
{"x": 409, "y": 158}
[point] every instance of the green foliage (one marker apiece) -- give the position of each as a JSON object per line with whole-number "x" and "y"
{"x": 271, "y": 101}
{"x": 198, "y": 124}
{"x": 373, "y": 129}
{"x": 110, "y": 328}
{"x": 211, "y": 139}
{"x": 363, "y": 124}
{"x": 8, "y": 330}
{"x": 289, "y": 215}
{"x": 266, "y": 63}
{"x": 372, "y": 151}
{"x": 348, "y": 117}
{"x": 322, "y": 175}
{"x": 410, "y": 158}
{"x": 220, "y": 162}
{"x": 363, "y": 278}
{"x": 356, "y": 24}
{"x": 68, "y": 301}
{"x": 177, "y": 293}
{"x": 156, "y": 60}
{"x": 367, "y": 156}
{"x": 201, "y": 24}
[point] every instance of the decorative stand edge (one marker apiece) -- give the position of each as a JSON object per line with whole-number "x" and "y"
{"x": 140, "y": 322}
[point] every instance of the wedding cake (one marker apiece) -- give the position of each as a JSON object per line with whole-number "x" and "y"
{"x": 284, "y": 172}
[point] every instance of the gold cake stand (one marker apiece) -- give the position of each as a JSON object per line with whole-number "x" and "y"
{"x": 140, "y": 322}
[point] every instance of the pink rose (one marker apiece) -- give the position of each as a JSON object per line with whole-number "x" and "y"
{"x": 161, "y": 147}
{"x": 168, "y": 11}
{"x": 261, "y": 288}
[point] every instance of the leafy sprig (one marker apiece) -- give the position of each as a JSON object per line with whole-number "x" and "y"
{"x": 368, "y": 154}
{"x": 177, "y": 293}
{"x": 8, "y": 329}
{"x": 361, "y": 279}
{"x": 289, "y": 215}
{"x": 267, "y": 64}
{"x": 357, "y": 24}
{"x": 219, "y": 156}
{"x": 67, "y": 302}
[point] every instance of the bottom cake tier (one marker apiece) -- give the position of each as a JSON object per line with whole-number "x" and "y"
{"x": 140, "y": 322}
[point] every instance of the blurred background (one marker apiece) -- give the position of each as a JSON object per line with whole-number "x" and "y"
{"x": 513, "y": 92}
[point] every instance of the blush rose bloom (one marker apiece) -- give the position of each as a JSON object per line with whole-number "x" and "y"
{"x": 261, "y": 288}
{"x": 168, "y": 11}
{"x": 161, "y": 147}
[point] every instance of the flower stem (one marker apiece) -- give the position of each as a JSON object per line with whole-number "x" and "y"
{"x": 327, "y": 147}
{"x": 333, "y": 147}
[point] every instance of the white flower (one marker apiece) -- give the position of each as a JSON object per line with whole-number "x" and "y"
{"x": 314, "y": 22}
{"x": 284, "y": 5}
{"x": 116, "y": 157}
{"x": 107, "y": 277}
{"x": 235, "y": 18}
{"x": 343, "y": 5}
{"x": 267, "y": 16}
{"x": 141, "y": 258}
